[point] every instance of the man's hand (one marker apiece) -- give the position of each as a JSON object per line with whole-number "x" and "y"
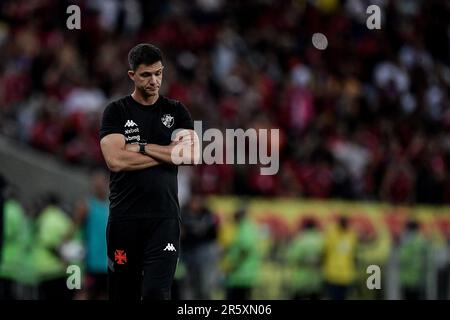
{"x": 185, "y": 137}
{"x": 184, "y": 149}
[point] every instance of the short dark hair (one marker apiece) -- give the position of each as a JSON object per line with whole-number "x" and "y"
{"x": 144, "y": 53}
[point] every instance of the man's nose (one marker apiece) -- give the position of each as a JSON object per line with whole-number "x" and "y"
{"x": 152, "y": 79}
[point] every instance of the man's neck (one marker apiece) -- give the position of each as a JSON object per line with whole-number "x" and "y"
{"x": 144, "y": 100}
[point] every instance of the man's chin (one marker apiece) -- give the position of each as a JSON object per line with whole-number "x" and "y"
{"x": 149, "y": 93}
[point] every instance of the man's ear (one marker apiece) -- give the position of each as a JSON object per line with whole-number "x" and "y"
{"x": 131, "y": 74}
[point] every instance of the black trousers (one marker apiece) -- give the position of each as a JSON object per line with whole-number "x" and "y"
{"x": 337, "y": 292}
{"x": 239, "y": 293}
{"x": 6, "y": 289}
{"x": 142, "y": 258}
{"x": 55, "y": 289}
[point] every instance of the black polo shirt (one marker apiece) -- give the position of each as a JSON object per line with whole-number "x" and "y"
{"x": 151, "y": 192}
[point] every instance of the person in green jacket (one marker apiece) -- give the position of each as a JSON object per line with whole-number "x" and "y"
{"x": 243, "y": 259}
{"x": 303, "y": 257}
{"x": 16, "y": 236}
{"x": 373, "y": 249}
{"x": 412, "y": 262}
{"x": 3, "y": 187}
{"x": 53, "y": 229}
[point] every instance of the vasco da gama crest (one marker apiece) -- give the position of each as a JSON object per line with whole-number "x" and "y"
{"x": 167, "y": 120}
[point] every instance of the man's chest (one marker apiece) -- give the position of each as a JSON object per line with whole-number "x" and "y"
{"x": 149, "y": 127}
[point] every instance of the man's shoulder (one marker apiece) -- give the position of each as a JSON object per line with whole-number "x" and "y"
{"x": 175, "y": 105}
{"x": 118, "y": 102}
{"x": 116, "y": 106}
{"x": 169, "y": 101}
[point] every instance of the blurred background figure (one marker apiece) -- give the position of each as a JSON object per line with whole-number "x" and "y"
{"x": 90, "y": 219}
{"x": 373, "y": 248}
{"x": 52, "y": 230}
{"x": 412, "y": 262}
{"x": 243, "y": 260}
{"x": 15, "y": 239}
{"x": 339, "y": 259}
{"x": 443, "y": 272}
{"x": 200, "y": 252}
{"x": 3, "y": 185}
{"x": 304, "y": 257}
{"x": 440, "y": 249}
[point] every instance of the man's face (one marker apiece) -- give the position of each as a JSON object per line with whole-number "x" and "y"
{"x": 147, "y": 78}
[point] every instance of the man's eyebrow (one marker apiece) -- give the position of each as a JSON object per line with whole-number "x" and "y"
{"x": 146, "y": 72}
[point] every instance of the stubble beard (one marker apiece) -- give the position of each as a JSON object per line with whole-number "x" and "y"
{"x": 145, "y": 94}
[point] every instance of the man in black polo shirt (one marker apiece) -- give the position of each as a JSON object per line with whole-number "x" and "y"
{"x": 141, "y": 149}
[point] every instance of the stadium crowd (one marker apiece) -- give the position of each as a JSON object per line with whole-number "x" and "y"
{"x": 367, "y": 118}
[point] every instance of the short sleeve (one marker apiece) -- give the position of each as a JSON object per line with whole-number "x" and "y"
{"x": 185, "y": 119}
{"x": 111, "y": 120}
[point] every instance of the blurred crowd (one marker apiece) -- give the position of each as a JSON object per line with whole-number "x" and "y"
{"x": 55, "y": 251}
{"x": 366, "y": 118}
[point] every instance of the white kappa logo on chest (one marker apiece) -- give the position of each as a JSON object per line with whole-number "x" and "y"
{"x": 167, "y": 120}
{"x": 170, "y": 247}
{"x": 130, "y": 123}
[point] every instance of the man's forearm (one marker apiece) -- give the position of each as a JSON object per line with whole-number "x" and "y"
{"x": 184, "y": 149}
{"x": 162, "y": 153}
{"x": 128, "y": 161}
{"x": 177, "y": 154}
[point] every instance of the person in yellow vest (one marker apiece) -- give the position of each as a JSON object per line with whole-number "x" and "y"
{"x": 339, "y": 259}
